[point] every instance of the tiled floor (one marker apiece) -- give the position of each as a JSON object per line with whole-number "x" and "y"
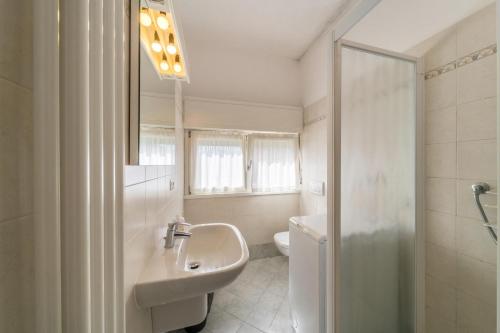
{"x": 257, "y": 302}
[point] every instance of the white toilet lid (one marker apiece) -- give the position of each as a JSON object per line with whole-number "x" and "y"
{"x": 283, "y": 238}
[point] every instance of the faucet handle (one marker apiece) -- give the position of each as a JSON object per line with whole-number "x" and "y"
{"x": 177, "y": 221}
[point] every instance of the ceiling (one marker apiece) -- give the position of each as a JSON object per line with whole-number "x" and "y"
{"x": 274, "y": 27}
{"x": 400, "y": 25}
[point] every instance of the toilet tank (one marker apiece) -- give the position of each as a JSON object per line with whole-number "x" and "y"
{"x": 308, "y": 245}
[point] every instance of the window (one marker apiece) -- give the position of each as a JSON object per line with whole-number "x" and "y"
{"x": 273, "y": 163}
{"x": 217, "y": 162}
{"x": 231, "y": 162}
{"x": 157, "y": 146}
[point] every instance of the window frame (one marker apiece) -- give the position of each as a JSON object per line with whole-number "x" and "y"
{"x": 247, "y": 170}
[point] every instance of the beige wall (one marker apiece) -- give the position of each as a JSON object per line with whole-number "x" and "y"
{"x": 16, "y": 168}
{"x": 314, "y": 165}
{"x": 461, "y": 150}
{"x": 258, "y": 217}
{"x": 149, "y": 205}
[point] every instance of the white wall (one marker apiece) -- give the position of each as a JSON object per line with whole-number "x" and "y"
{"x": 16, "y": 168}
{"x": 224, "y": 114}
{"x": 157, "y": 109}
{"x": 314, "y": 80}
{"x": 241, "y": 76}
{"x": 314, "y": 74}
{"x": 313, "y": 141}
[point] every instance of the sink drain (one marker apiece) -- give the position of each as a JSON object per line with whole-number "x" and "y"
{"x": 194, "y": 265}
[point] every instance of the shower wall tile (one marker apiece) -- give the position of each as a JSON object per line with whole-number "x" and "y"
{"x": 441, "y": 263}
{"x": 441, "y": 92}
{"x": 477, "y": 120}
{"x": 477, "y": 80}
{"x": 436, "y": 324}
{"x": 461, "y": 113}
{"x": 440, "y": 126}
{"x": 442, "y": 298}
{"x": 477, "y": 159}
{"x": 440, "y": 229}
{"x": 443, "y": 53}
{"x": 473, "y": 241}
{"x": 476, "y": 31}
{"x": 441, "y": 160}
{"x": 440, "y": 195}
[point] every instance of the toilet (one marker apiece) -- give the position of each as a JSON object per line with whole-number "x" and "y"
{"x": 282, "y": 241}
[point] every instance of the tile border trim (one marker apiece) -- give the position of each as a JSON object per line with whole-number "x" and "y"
{"x": 460, "y": 62}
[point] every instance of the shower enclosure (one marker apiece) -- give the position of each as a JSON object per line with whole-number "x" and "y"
{"x": 375, "y": 189}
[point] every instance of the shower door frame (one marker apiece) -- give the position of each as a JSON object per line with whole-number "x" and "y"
{"x": 334, "y": 173}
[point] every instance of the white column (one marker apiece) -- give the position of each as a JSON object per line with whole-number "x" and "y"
{"x": 79, "y": 130}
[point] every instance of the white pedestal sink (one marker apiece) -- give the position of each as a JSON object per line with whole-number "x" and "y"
{"x": 176, "y": 281}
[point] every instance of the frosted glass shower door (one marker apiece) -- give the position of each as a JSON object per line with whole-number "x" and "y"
{"x": 377, "y": 191}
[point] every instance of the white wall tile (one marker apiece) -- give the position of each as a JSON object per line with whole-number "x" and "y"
{"x": 440, "y": 229}
{"x": 441, "y": 298}
{"x": 16, "y": 147}
{"x": 476, "y": 278}
{"x": 477, "y": 159}
{"x": 441, "y": 263}
{"x": 134, "y": 210}
{"x": 477, "y": 31}
{"x": 477, "y": 120}
{"x": 441, "y": 160}
{"x": 441, "y": 92}
{"x": 257, "y": 217}
{"x": 474, "y": 241}
{"x": 443, "y": 53}
{"x": 440, "y": 195}
{"x": 16, "y": 56}
{"x": 134, "y": 174}
{"x": 441, "y": 126}
{"x": 17, "y": 275}
{"x": 477, "y": 80}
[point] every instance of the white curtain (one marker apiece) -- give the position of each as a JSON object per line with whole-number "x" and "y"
{"x": 217, "y": 162}
{"x": 274, "y": 164}
{"x": 157, "y": 146}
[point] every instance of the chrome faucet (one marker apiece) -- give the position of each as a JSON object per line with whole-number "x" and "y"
{"x": 172, "y": 232}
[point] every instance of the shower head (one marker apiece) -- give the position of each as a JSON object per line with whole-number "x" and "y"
{"x": 480, "y": 188}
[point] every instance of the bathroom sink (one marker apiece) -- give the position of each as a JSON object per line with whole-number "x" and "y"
{"x": 210, "y": 259}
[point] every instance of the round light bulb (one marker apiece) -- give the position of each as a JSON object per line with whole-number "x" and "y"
{"x": 145, "y": 19}
{"x": 171, "y": 49}
{"x": 156, "y": 46}
{"x": 177, "y": 67}
{"x": 164, "y": 65}
{"x": 162, "y": 22}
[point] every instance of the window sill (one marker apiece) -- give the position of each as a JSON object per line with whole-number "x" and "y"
{"x": 235, "y": 195}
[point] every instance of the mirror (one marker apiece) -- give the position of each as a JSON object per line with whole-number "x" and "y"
{"x": 156, "y": 62}
{"x": 156, "y": 116}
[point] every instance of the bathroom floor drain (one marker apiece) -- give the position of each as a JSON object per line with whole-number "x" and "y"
{"x": 194, "y": 265}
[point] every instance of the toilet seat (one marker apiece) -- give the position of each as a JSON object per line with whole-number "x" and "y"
{"x": 282, "y": 241}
